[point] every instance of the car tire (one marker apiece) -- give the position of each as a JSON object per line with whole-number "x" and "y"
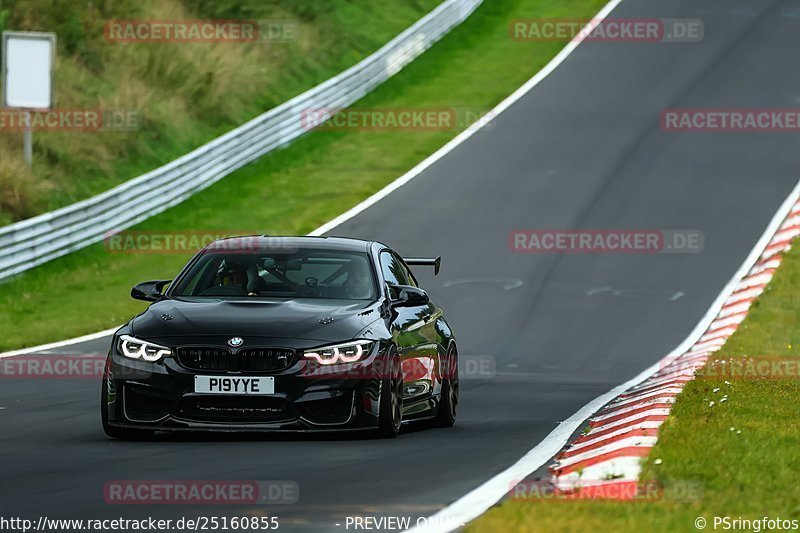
{"x": 448, "y": 401}
{"x": 390, "y": 417}
{"x": 117, "y": 432}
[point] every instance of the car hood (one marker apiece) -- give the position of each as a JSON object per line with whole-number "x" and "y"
{"x": 321, "y": 320}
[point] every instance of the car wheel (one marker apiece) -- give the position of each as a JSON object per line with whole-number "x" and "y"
{"x": 391, "y": 404}
{"x": 448, "y": 402}
{"x": 116, "y": 432}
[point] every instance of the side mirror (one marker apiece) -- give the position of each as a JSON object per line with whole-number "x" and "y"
{"x": 149, "y": 291}
{"x": 408, "y": 296}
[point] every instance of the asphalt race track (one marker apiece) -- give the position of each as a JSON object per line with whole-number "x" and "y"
{"x": 584, "y": 149}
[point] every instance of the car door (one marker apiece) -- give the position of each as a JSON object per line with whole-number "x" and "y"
{"x": 414, "y": 331}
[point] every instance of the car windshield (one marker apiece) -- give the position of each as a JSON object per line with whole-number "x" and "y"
{"x": 298, "y": 274}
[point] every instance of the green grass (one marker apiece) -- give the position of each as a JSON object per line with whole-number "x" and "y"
{"x": 294, "y": 190}
{"x": 748, "y": 472}
{"x": 184, "y": 94}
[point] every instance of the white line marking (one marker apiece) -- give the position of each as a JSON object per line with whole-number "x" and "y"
{"x": 399, "y": 182}
{"x": 42, "y": 347}
{"x": 466, "y": 134}
{"x": 402, "y": 180}
{"x": 477, "y": 501}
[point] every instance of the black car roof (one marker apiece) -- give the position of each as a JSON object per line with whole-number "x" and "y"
{"x": 265, "y": 241}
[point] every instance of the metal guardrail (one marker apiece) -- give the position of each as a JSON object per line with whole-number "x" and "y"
{"x": 29, "y": 243}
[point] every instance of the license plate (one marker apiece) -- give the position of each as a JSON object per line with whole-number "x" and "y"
{"x": 245, "y": 386}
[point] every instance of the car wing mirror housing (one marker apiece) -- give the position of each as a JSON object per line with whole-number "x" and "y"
{"x": 149, "y": 291}
{"x": 408, "y": 296}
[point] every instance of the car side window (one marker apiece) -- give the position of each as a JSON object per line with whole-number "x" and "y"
{"x": 409, "y": 275}
{"x": 393, "y": 270}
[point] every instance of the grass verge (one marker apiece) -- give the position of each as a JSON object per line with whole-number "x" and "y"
{"x": 293, "y": 191}
{"x": 178, "y": 95}
{"x": 742, "y": 453}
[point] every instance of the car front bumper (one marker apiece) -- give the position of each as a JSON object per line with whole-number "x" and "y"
{"x": 160, "y": 396}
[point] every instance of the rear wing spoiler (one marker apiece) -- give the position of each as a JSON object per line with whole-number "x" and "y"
{"x": 435, "y": 262}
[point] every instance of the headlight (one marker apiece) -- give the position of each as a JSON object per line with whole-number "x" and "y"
{"x": 349, "y": 352}
{"x": 139, "y": 349}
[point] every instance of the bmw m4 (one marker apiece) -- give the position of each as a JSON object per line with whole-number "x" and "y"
{"x": 283, "y": 334}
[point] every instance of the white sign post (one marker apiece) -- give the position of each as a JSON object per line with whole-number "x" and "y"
{"x": 27, "y": 65}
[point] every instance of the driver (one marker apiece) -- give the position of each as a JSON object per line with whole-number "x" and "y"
{"x": 359, "y": 284}
{"x": 233, "y": 275}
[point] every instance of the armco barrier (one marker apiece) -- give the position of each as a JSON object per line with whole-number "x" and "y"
{"x": 31, "y": 242}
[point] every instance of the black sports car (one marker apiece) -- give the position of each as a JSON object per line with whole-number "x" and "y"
{"x": 283, "y": 334}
